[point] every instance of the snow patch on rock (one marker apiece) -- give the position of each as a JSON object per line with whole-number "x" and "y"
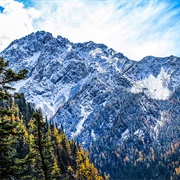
{"x": 124, "y": 135}
{"x": 32, "y": 59}
{"x": 85, "y": 112}
{"x": 93, "y": 53}
{"x": 154, "y": 87}
{"x": 93, "y": 135}
{"x": 160, "y": 123}
{"x": 46, "y": 108}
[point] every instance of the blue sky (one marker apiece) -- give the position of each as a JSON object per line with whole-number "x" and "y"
{"x": 135, "y": 28}
{"x": 27, "y": 3}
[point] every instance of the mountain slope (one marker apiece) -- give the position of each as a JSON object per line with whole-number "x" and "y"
{"x": 98, "y": 94}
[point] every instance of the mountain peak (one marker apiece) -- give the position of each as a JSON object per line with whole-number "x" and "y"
{"x": 96, "y": 93}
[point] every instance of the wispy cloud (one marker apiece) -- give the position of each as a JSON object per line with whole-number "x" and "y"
{"x": 135, "y": 28}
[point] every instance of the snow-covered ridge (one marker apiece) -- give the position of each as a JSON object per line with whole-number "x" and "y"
{"x": 103, "y": 99}
{"x": 87, "y": 86}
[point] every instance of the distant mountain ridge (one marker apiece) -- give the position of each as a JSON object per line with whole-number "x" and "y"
{"x": 96, "y": 93}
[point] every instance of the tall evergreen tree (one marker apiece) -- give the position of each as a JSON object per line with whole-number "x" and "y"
{"x": 41, "y": 151}
{"x": 10, "y": 164}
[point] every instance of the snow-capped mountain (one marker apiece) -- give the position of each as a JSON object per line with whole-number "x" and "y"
{"x": 96, "y": 93}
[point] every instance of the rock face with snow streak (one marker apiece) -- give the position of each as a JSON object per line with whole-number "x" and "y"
{"x": 94, "y": 91}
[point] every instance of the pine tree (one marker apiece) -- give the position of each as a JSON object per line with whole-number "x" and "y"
{"x": 85, "y": 170}
{"x": 11, "y": 165}
{"x": 41, "y": 151}
{"x": 56, "y": 172}
{"x": 7, "y": 75}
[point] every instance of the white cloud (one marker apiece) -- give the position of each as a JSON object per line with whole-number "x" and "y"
{"x": 136, "y": 28}
{"x": 15, "y": 21}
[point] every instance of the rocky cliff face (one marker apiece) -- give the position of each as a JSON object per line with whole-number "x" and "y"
{"x": 97, "y": 94}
